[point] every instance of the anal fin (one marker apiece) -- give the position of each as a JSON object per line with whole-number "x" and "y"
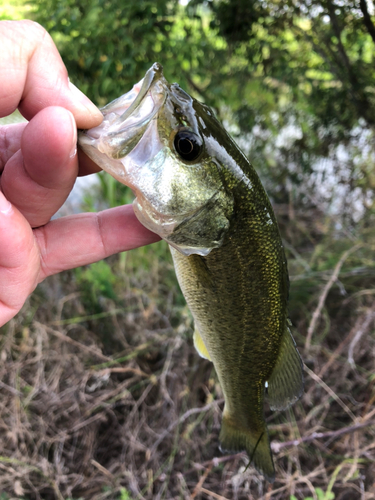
{"x": 285, "y": 386}
{"x": 200, "y": 345}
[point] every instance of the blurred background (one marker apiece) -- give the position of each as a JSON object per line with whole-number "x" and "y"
{"x": 102, "y": 395}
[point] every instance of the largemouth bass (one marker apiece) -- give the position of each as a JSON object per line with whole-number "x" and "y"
{"x": 197, "y": 190}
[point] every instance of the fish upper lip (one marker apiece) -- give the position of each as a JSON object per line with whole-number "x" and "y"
{"x": 120, "y": 126}
{"x": 153, "y": 74}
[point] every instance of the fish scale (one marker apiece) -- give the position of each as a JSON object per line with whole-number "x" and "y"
{"x": 195, "y": 188}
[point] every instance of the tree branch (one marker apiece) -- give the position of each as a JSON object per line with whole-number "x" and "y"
{"x": 337, "y": 30}
{"x": 367, "y": 19}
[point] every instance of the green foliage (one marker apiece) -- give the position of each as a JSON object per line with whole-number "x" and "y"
{"x": 4, "y": 496}
{"x": 294, "y": 81}
{"x": 15, "y": 10}
{"x": 322, "y": 50}
{"x": 96, "y": 281}
{"x": 124, "y": 494}
{"x": 320, "y": 494}
{"x": 108, "y": 46}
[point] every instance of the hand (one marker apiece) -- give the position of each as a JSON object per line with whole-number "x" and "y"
{"x": 38, "y": 167}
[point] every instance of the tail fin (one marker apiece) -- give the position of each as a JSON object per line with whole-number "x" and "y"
{"x": 257, "y": 446}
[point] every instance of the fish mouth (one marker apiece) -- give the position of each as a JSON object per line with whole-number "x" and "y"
{"x": 153, "y": 75}
{"x": 125, "y": 121}
{"x": 130, "y": 146}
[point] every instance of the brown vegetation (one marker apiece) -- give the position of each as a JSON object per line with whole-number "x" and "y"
{"x": 102, "y": 395}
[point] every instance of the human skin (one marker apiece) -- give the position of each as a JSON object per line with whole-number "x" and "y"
{"x": 39, "y": 164}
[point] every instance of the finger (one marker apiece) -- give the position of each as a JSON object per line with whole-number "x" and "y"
{"x": 82, "y": 239}
{"x": 10, "y": 141}
{"x": 38, "y": 178}
{"x": 19, "y": 260}
{"x": 33, "y": 76}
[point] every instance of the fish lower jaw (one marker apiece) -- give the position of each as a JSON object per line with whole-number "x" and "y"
{"x": 164, "y": 227}
{"x": 153, "y": 220}
{"x": 186, "y": 250}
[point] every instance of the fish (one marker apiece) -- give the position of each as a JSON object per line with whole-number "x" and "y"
{"x": 197, "y": 190}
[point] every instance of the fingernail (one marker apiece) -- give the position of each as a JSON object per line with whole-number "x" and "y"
{"x": 73, "y": 151}
{"x": 83, "y": 101}
{"x": 5, "y": 206}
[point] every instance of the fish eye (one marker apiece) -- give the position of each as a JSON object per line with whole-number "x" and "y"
{"x": 188, "y": 145}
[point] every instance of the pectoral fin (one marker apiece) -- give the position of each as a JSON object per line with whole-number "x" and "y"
{"x": 285, "y": 386}
{"x": 200, "y": 345}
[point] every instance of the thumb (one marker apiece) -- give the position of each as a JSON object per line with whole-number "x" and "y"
{"x": 19, "y": 260}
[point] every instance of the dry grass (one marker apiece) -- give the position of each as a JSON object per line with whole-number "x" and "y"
{"x": 102, "y": 395}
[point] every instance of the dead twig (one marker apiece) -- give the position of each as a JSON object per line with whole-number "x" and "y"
{"x": 199, "y": 486}
{"x": 332, "y": 393}
{"x": 370, "y": 316}
{"x": 65, "y": 338}
{"x": 336, "y": 353}
{"x": 102, "y": 469}
{"x": 216, "y": 461}
{"x": 182, "y": 419}
{"x": 276, "y": 447}
{"x": 212, "y": 494}
{"x": 323, "y": 296}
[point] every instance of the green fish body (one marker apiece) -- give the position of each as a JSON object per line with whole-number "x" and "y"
{"x": 197, "y": 190}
